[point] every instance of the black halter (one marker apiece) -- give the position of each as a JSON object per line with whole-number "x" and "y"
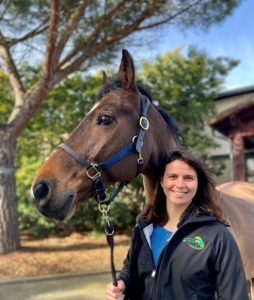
{"x": 94, "y": 171}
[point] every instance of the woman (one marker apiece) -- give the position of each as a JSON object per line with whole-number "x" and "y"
{"x": 181, "y": 249}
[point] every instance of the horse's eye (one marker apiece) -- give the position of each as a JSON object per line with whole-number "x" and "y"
{"x": 104, "y": 120}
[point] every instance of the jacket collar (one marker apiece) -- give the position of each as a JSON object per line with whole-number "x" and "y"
{"x": 141, "y": 222}
{"x": 192, "y": 215}
{"x": 195, "y": 215}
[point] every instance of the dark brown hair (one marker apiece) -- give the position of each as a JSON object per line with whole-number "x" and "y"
{"x": 205, "y": 199}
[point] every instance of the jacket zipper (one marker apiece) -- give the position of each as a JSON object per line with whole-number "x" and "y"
{"x": 148, "y": 249}
{"x": 161, "y": 258}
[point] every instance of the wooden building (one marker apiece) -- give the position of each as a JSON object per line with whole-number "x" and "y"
{"x": 235, "y": 121}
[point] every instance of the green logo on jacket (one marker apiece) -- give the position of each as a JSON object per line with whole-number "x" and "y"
{"x": 195, "y": 242}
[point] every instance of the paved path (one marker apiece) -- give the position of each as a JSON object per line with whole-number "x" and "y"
{"x": 64, "y": 287}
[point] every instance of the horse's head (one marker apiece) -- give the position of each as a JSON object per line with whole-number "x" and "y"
{"x": 106, "y": 135}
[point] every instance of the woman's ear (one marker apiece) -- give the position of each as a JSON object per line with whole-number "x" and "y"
{"x": 161, "y": 181}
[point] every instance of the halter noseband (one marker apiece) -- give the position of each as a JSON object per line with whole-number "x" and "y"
{"x": 93, "y": 171}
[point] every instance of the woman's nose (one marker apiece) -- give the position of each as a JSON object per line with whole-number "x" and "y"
{"x": 180, "y": 182}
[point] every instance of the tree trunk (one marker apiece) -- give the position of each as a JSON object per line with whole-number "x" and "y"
{"x": 9, "y": 232}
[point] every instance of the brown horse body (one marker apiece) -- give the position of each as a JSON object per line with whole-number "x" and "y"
{"x": 237, "y": 201}
{"x": 111, "y": 124}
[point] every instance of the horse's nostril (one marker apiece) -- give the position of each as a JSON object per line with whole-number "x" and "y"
{"x": 42, "y": 192}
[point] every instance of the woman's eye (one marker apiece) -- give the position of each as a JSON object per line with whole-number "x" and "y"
{"x": 104, "y": 120}
{"x": 172, "y": 177}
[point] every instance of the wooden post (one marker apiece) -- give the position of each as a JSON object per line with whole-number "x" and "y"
{"x": 238, "y": 157}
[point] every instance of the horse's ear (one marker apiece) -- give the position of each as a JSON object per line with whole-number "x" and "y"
{"x": 105, "y": 80}
{"x": 127, "y": 71}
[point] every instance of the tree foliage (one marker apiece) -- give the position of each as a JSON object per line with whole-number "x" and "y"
{"x": 6, "y": 100}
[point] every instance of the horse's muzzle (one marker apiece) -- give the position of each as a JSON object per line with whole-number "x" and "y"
{"x": 42, "y": 196}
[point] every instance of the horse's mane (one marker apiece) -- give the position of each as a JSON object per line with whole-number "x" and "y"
{"x": 166, "y": 117}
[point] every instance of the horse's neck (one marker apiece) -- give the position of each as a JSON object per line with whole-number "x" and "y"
{"x": 150, "y": 187}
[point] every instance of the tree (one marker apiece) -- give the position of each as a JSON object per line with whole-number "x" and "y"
{"x": 70, "y": 35}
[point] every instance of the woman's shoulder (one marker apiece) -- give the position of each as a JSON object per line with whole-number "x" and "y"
{"x": 211, "y": 223}
{"x": 220, "y": 232}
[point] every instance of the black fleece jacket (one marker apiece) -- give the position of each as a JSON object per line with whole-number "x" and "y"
{"x": 201, "y": 261}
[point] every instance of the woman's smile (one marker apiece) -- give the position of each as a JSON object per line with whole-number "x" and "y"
{"x": 179, "y": 193}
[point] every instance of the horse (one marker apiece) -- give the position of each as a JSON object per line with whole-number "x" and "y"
{"x": 123, "y": 135}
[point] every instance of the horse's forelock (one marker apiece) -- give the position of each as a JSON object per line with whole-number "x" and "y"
{"x": 111, "y": 86}
{"x": 106, "y": 90}
{"x": 115, "y": 84}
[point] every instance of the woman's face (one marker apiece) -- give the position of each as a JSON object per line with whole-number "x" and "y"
{"x": 179, "y": 183}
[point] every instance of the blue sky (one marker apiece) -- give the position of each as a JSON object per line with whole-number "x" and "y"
{"x": 234, "y": 38}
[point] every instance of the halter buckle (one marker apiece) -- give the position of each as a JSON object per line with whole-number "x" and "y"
{"x": 93, "y": 168}
{"x": 144, "y": 123}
